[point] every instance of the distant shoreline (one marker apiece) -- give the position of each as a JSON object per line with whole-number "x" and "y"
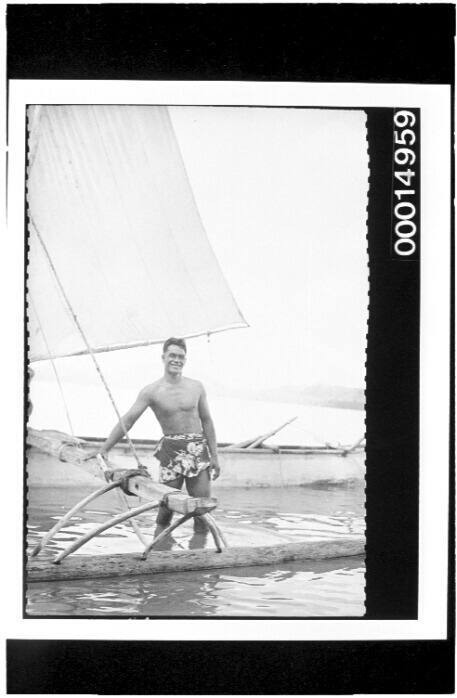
{"x": 338, "y": 404}
{"x": 338, "y": 397}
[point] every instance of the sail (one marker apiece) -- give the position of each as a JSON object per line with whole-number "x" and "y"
{"x": 108, "y": 194}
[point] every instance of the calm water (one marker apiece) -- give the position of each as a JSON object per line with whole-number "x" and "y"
{"x": 301, "y": 589}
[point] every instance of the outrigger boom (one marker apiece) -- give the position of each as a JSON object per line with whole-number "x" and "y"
{"x": 133, "y": 482}
{"x": 137, "y": 482}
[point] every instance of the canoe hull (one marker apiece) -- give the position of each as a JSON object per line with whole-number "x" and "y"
{"x": 255, "y": 468}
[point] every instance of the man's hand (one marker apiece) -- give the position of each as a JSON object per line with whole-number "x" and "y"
{"x": 215, "y": 468}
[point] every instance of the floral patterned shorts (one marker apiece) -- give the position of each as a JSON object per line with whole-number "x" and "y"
{"x": 182, "y": 454}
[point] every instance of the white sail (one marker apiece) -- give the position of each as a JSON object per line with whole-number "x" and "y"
{"x": 108, "y": 193}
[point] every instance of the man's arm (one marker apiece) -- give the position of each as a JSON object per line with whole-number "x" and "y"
{"x": 209, "y": 432}
{"x": 141, "y": 403}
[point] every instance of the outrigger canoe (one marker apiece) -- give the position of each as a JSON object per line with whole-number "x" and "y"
{"x": 241, "y": 466}
{"x": 135, "y": 482}
{"x": 93, "y": 173}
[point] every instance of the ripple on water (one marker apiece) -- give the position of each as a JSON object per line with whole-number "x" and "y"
{"x": 297, "y": 589}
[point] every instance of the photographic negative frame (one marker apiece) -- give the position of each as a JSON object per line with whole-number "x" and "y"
{"x": 399, "y": 289}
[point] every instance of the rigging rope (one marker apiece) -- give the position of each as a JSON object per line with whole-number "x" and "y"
{"x": 56, "y": 373}
{"x": 86, "y": 342}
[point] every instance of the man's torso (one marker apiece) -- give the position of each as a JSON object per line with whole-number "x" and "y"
{"x": 176, "y": 405}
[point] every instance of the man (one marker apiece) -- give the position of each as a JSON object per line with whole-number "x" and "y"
{"x": 188, "y": 449}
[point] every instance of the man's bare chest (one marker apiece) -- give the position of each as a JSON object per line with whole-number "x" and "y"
{"x": 172, "y": 400}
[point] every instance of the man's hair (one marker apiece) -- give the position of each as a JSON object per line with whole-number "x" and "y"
{"x": 176, "y": 341}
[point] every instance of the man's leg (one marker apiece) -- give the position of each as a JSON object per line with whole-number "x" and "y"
{"x": 164, "y": 515}
{"x": 199, "y": 486}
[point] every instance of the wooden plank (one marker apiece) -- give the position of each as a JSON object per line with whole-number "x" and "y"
{"x": 123, "y": 565}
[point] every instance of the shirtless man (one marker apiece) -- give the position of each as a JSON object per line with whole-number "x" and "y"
{"x": 188, "y": 449}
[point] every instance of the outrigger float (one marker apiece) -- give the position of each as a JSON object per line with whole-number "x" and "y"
{"x": 137, "y": 482}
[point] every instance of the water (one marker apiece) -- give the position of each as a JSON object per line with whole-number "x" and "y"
{"x": 305, "y": 588}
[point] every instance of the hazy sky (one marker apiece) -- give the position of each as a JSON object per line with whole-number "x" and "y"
{"x": 282, "y": 194}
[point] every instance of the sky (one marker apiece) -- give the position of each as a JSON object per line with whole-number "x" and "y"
{"x": 282, "y": 194}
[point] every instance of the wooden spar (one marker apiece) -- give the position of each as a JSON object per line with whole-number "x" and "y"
{"x": 261, "y": 439}
{"x": 258, "y": 440}
{"x": 215, "y": 532}
{"x": 354, "y": 446}
{"x": 137, "y": 485}
{"x": 132, "y": 345}
{"x": 123, "y": 500}
{"x": 134, "y": 483}
{"x": 166, "y": 532}
{"x": 291, "y": 451}
{"x": 123, "y": 565}
{"x": 124, "y": 516}
{"x": 63, "y": 447}
{"x": 210, "y": 519}
{"x": 74, "y": 510}
{"x": 240, "y": 445}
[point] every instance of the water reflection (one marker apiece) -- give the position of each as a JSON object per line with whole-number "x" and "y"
{"x": 296, "y": 589}
{"x": 299, "y": 589}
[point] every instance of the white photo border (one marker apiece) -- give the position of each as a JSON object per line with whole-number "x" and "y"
{"x": 434, "y": 101}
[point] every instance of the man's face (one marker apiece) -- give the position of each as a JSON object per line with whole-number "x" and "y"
{"x": 174, "y": 359}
